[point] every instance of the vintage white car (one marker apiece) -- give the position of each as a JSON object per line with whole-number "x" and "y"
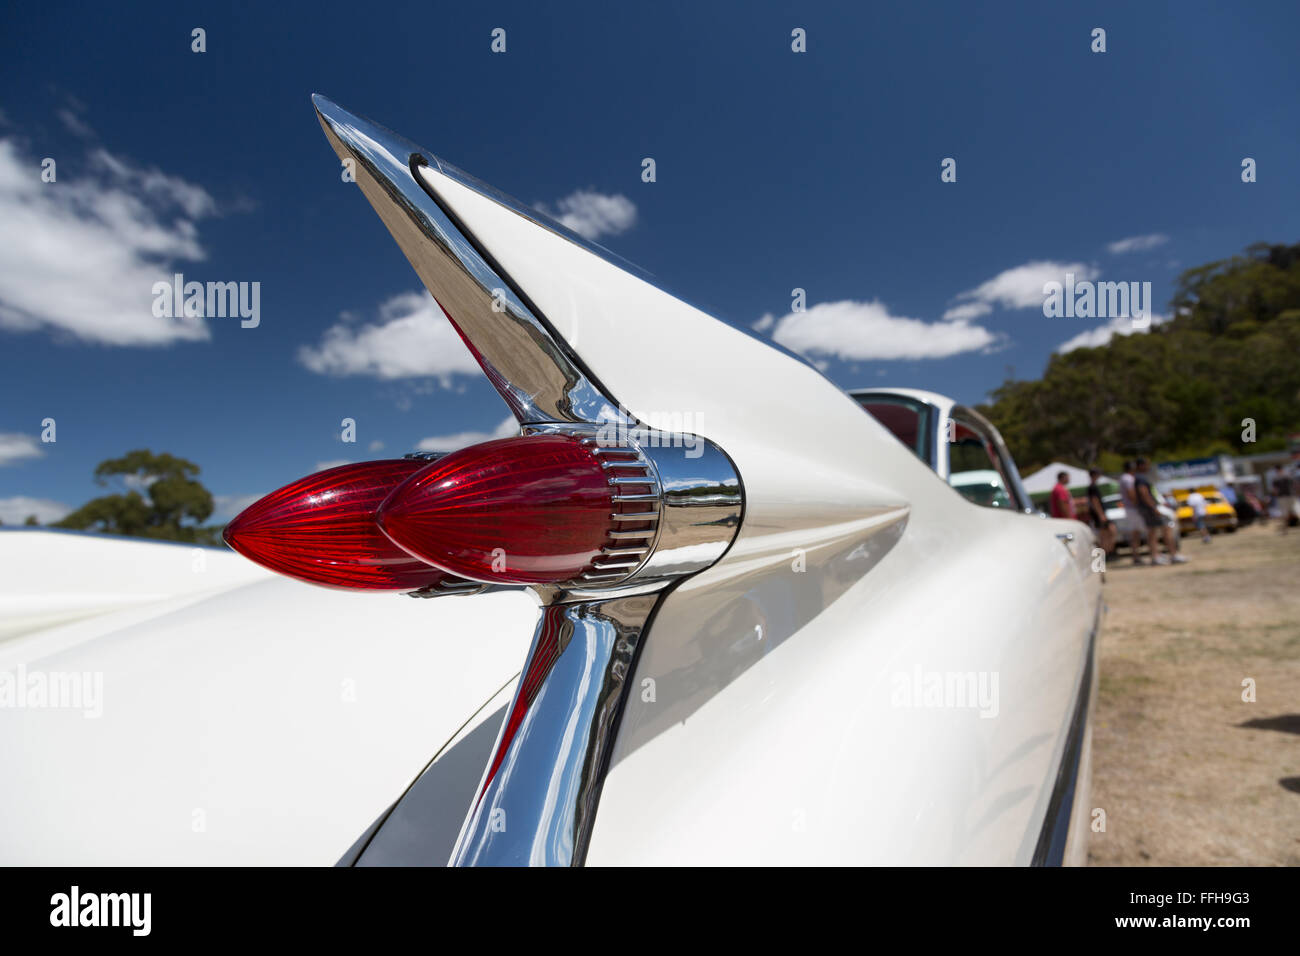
{"x": 776, "y": 636}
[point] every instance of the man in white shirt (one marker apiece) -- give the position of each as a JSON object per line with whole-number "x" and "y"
{"x": 1133, "y": 522}
{"x": 1196, "y": 501}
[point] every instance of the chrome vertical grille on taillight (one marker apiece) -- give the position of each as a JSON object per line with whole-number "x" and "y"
{"x": 636, "y": 503}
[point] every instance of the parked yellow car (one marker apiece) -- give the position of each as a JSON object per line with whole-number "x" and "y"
{"x": 1219, "y": 515}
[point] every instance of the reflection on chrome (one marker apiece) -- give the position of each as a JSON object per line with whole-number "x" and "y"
{"x": 538, "y": 800}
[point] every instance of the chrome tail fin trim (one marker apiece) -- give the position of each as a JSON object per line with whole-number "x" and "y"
{"x": 532, "y": 368}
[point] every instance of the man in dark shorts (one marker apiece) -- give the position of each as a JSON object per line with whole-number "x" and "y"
{"x": 1154, "y": 520}
{"x": 1097, "y": 513}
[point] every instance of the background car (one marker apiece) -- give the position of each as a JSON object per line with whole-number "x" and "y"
{"x": 1219, "y": 515}
{"x": 983, "y": 486}
{"x": 1118, "y": 516}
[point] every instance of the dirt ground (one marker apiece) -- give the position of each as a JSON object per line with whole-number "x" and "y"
{"x": 1188, "y": 773}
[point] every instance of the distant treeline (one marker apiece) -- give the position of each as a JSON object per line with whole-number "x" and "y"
{"x": 1229, "y": 354}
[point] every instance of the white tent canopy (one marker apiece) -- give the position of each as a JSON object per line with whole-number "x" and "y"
{"x": 1045, "y": 478}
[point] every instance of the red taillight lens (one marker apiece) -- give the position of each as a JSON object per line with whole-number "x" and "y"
{"x": 322, "y": 530}
{"x": 528, "y": 510}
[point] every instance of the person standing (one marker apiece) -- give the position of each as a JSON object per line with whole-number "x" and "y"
{"x": 1284, "y": 488}
{"x": 1196, "y": 501}
{"x": 1155, "y": 522}
{"x": 1133, "y": 522}
{"x": 1062, "y": 504}
{"x": 1257, "y": 507}
{"x": 1097, "y": 513}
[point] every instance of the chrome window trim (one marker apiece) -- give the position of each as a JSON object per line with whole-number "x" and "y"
{"x": 1016, "y": 489}
{"x": 926, "y": 428}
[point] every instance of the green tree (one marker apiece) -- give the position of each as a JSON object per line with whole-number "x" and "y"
{"x": 173, "y": 507}
{"x": 1182, "y": 389}
{"x": 31, "y": 521}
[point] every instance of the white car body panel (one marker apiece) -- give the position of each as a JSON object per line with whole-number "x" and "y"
{"x": 787, "y": 714}
{"x": 277, "y": 718}
{"x": 52, "y": 577}
{"x": 804, "y": 759}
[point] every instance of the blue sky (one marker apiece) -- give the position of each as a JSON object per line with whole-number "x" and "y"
{"x": 775, "y": 170}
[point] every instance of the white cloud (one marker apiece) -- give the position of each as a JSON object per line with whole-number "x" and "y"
{"x": 1137, "y": 243}
{"x": 168, "y": 190}
{"x": 866, "y": 330}
{"x": 1018, "y": 288}
{"x": 967, "y": 311}
{"x": 225, "y": 507}
{"x": 15, "y": 510}
{"x": 376, "y": 445}
{"x": 510, "y": 426}
{"x": 333, "y": 463}
{"x": 412, "y": 339}
{"x": 15, "y": 446}
{"x": 1104, "y": 333}
{"x": 591, "y": 214}
{"x": 80, "y": 255}
{"x": 75, "y": 124}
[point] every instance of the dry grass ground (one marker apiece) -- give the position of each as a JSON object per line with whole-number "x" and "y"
{"x": 1187, "y": 772}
